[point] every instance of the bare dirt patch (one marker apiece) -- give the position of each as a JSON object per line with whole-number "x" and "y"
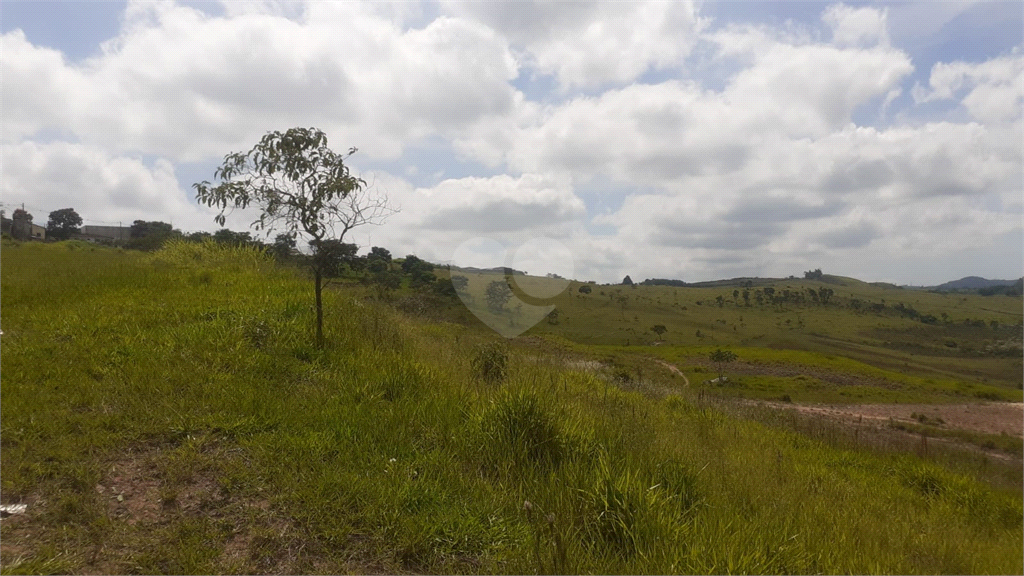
{"x": 675, "y": 371}
{"x": 584, "y": 365}
{"x": 984, "y": 417}
{"x": 788, "y": 371}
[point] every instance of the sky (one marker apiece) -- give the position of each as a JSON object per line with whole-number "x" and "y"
{"x": 686, "y": 140}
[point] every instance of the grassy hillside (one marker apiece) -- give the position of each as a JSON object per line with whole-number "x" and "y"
{"x": 910, "y": 345}
{"x": 166, "y": 413}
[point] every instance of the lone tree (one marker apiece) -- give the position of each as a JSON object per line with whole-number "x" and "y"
{"x": 284, "y": 246}
{"x": 460, "y": 283}
{"x": 497, "y": 295}
{"x": 659, "y": 329}
{"x": 63, "y": 223}
{"x": 302, "y": 188}
{"x": 720, "y": 358}
{"x": 378, "y": 259}
{"x": 21, "y": 225}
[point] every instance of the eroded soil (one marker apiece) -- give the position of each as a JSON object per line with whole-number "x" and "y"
{"x": 984, "y": 417}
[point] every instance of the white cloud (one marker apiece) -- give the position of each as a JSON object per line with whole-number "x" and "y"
{"x": 188, "y": 86}
{"x": 658, "y": 134}
{"x": 590, "y": 44}
{"x": 763, "y": 170}
{"x": 857, "y": 26}
{"x": 33, "y": 80}
{"x": 994, "y": 88}
{"x": 99, "y": 186}
{"x": 499, "y": 204}
{"x": 435, "y": 220}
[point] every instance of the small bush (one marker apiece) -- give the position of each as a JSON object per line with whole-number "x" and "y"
{"x": 616, "y": 504}
{"x": 680, "y": 484}
{"x": 924, "y": 480}
{"x": 630, "y": 511}
{"x": 520, "y": 426}
{"x": 622, "y": 375}
{"x": 401, "y": 379}
{"x": 490, "y": 363}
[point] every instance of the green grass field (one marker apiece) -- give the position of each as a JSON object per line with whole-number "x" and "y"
{"x": 971, "y": 352}
{"x": 167, "y": 413}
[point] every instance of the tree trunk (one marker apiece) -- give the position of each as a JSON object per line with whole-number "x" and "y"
{"x": 319, "y": 307}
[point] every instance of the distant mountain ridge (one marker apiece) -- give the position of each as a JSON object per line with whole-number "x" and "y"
{"x": 496, "y": 269}
{"x": 973, "y": 283}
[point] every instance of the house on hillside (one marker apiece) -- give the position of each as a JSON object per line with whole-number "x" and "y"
{"x": 104, "y": 234}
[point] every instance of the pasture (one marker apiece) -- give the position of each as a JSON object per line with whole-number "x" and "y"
{"x": 167, "y": 413}
{"x": 868, "y": 343}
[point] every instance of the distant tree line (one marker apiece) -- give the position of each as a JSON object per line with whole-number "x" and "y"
{"x": 663, "y": 282}
{"x": 1015, "y": 289}
{"x": 337, "y": 259}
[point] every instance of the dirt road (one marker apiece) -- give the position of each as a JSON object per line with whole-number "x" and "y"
{"x": 675, "y": 371}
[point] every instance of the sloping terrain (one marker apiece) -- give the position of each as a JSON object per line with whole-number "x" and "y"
{"x": 167, "y": 413}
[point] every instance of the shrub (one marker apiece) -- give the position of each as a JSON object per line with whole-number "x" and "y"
{"x": 622, "y": 375}
{"x": 401, "y": 379}
{"x": 680, "y": 484}
{"x": 615, "y": 506}
{"x": 490, "y": 363}
{"x": 209, "y": 254}
{"x": 520, "y": 426}
{"x": 630, "y": 510}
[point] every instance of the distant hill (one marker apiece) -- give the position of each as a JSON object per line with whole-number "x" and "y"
{"x": 973, "y": 283}
{"x": 710, "y": 283}
{"x": 742, "y": 282}
{"x": 496, "y": 269}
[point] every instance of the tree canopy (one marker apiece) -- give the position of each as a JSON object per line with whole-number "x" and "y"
{"x": 21, "y": 226}
{"x": 720, "y": 358}
{"x": 63, "y": 223}
{"x": 497, "y": 295}
{"x": 300, "y": 187}
{"x": 297, "y": 183}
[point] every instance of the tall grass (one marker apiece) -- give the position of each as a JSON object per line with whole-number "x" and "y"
{"x": 187, "y": 381}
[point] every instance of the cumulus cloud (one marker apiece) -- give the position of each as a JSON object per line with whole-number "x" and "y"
{"x": 767, "y": 169}
{"x": 852, "y": 236}
{"x": 187, "y": 85}
{"x": 662, "y": 133}
{"x": 857, "y": 26}
{"x": 98, "y": 185}
{"x": 34, "y": 78}
{"x": 500, "y": 204}
{"x": 993, "y": 90}
{"x": 591, "y": 44}
{"x": 434, "y": 221}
